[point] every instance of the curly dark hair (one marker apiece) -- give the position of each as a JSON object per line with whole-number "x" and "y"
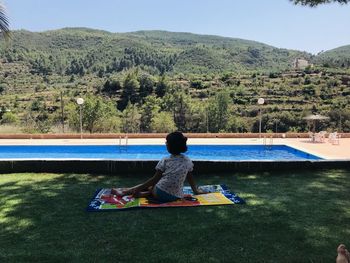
{"x": 176, "y": 143}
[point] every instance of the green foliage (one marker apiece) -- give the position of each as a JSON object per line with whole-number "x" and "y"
{"x": 218, "y": 111}
{"x": 149, "y": 109}
{"x": 157, "y": 71}
{"x": 108, "y": 124}
{"x": 37, "y": 118}
{"x": 38, "y": 123}
{"x": 3, "y": 88}
{"x": 197, "y": 84}
{"x": 97, "y": 115}
{"x": 338, "y": 57}
{"x": 179, "y": 103}
{"x": 147, "y": 84}
{"x": 163, "y": 122}
{"x": 130, "y": 93}
{"x": 162, "y": 86}
{"x": 237, "y": 125}
{"x": 37, "y": 105}
{"x": 309, "y": 90}
{"x": 314, "y": 3}
{"x": 111, "y": 87}
{"x": 82, "y": 51}
{"x": 131, "y": 119}
{"x": 340, "y": 119}
{"x": 4, "y": 22}
{"x": 197, "y": 119}
{"x": 9, "y": 118}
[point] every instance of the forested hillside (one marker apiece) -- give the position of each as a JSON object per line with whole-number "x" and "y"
{"x": 81, "y": 51}
{"x": 338, "y": 57}
{"x": 157, "y": 81}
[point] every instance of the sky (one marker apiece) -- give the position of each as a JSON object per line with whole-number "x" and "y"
{"x": 274, "y": 22}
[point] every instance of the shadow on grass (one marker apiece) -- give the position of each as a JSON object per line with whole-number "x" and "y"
{"x": 289, "y": 217}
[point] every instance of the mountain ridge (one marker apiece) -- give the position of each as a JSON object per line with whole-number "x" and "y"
{"x": 156, "y": 51}
{"x": 147, "y": 32}
{"x": 80, "y": 50}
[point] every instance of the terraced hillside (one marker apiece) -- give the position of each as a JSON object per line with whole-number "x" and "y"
{"x": 139, "y": 81}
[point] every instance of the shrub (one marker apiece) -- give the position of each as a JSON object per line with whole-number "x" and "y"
{"x": 9, "y": 118}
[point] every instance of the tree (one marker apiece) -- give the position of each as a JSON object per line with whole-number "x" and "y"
{"x": 237, "y": 124}
{"x": 110, "y": 123}
{"x": 131, "y": 88}
{"x": 4, "y": 23}
{"x": 130, "y": 119}
{"x": 161, "y": 86}
{"x": 163, "y": 122}
{"x": 314, "y": 3}
{"x": 111, "y": 87}
{"x": 146, "y": 85}
{"x": 197, "y": 119}
{"x": 97, "y": 115}
{"x": 37, "y": 120}
{"x": 218, "y": 111}
{"x": 149, "y": 109}
{"x": 179, "y": 103}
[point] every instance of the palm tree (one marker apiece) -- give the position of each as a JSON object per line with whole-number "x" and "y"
{"x": 4, "y": 22}
{"x": 314, "y": 3}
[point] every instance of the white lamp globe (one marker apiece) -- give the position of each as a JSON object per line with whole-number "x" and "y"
{"x": 80, "y": 101}
{"x": 261, "y": 101}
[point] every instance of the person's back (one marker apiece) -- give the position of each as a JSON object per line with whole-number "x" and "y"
{"x": 175, "y": 169}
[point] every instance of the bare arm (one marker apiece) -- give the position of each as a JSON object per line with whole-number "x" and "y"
{"x": 150, "y": 182}
{"x": 341, "y": 259}
{"x": 193, "y": 185}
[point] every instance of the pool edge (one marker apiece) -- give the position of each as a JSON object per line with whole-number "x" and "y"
{"x": 147, "y": 167}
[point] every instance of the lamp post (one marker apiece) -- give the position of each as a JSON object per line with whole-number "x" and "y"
{"x": 260, "y": 102}
{"x": 80, "y": 102}
{"x": 276, "y": 122}
{"x": 207, "y": 118}
{"x": 62, "y": 111}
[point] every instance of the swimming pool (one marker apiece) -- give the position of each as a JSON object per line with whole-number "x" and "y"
{"x": 153, "y": 152}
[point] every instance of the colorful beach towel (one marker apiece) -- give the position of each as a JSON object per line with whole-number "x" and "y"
{"x": 103, "y": 200}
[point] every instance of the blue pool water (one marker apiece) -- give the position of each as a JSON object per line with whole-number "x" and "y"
{"x": 155, "y": 152}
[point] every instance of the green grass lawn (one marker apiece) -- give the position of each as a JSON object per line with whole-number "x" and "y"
{"x": 289, "y": 217}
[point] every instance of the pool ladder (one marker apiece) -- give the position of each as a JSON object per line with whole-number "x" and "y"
{"x": 123, "y": 146}
{"x": 268, "y": 144}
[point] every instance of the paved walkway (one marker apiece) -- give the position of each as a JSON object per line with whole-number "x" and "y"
{"x": 325, "y": 150}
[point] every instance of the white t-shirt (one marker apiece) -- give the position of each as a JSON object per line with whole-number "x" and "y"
{"x": 175, "y": 169}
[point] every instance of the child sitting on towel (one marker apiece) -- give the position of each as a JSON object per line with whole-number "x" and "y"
{"x": 171, "y": 171}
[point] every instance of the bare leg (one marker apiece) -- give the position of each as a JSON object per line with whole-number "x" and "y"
{"x": 143, "y": 194}
{"x": 125, "y": 191}
{"x": 147, "y": 193}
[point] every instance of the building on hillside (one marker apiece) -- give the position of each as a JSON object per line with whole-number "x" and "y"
{"x": 300, "y": 63}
